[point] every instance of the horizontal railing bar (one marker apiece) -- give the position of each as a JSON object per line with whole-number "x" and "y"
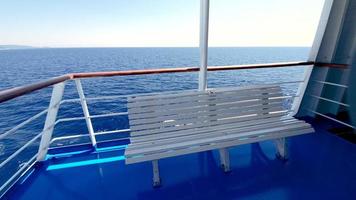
{"x": 71, "y": 145}
{"x": 17, "y": 127}
{"x": 70, "y": 100}
{"x": 186, "y": 69}
{"x": 20, "y": 150}
{"x": 103, "y": 97}
{"x": 333, "y": 119}
{"x": 330, "y": 100}
{"x": 289, "y": 82}
{"x": 21, "y": 170}
{"x": 108, "y": 115}
{"x": 88, "y": 143}
{"x": 329, "y": 83}
{"x": 87, "y": 135}
{"x": 68, "y": 119}
{"x": 12, "y": 93}
{"x": 8, "y": 94}
{"x": 331, "y": 65}
{"x": 68, "y": 137}
{"x": 91, "y": 117}
{"x": 288, "y": 96}
{"x": 115, "y": 131}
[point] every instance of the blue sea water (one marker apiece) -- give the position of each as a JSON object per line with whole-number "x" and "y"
{"x": 20, "y": 67}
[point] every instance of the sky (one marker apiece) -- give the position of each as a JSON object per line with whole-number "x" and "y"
{"x": 157, "y": 23}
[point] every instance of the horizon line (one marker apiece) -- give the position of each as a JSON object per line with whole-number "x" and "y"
{"x": 58, "y": 47}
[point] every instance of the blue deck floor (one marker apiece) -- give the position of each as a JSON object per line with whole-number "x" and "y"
{"x": 321, "y": 166}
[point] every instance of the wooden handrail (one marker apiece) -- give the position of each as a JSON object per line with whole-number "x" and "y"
{"x": 12, "y": 93}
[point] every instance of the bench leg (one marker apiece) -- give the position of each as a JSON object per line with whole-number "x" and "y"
{"x": 282, "y": 149}
{"x": 225, "y": 159}
{"x": 156, "y": 178}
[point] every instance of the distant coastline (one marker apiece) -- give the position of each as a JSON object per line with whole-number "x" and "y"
{"x": 13, "y": 47}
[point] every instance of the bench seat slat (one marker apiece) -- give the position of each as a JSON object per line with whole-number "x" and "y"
{"x": 216, "y": 145}
{"x": 208, "y": 129}
{"x": 193, "y": 135}
{"x": 217, "y": 138}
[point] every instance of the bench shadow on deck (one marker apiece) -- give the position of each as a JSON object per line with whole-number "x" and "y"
{"x": 321, "y": 166}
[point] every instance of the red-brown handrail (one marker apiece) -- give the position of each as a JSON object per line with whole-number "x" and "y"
{"x": 12, "y": 93}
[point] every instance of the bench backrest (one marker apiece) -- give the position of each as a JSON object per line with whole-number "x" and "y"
{"x": 160, "y": 113}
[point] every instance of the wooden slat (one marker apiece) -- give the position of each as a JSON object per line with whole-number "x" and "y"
{"x": 155, "y": 149}
{"x": 201, "y": 113}
{"x": 210, "y": 100}
{"x": 207, "y": 119}
{"x": 200, "y": 98}
{"x": 211, "y": 146}
{"x": 207, "y": 128}
{"x": 206, "y": 133}
{"x": 208, "y": 123}
{"x": 159, "y": 110}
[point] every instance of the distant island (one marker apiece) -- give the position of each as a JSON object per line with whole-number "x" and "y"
{"x": 10, "y": 47}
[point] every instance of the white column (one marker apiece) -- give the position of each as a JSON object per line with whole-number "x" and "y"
{"x": 48, "y": 128}
{"x": 203, "y": 45}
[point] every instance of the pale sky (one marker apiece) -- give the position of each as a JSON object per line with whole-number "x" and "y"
{"x": 157, "y": 23}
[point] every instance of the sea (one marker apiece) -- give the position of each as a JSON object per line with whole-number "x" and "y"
{"x": 26, "y": 66}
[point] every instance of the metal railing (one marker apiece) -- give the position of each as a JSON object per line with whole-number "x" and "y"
{"x": 6, "y": 95}
{"x": 56, "y": 101}
{"x": 320, "y": 98}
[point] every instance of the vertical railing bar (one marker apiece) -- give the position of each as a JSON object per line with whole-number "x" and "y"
{"x": 84, "y": 104}
{"x": 330, "y": 100}
{"x": 301, "y": 90}
{"x": 48, "y": 128}
{"x": 203, "y": 44}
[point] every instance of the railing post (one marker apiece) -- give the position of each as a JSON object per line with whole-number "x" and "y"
{"x": 48, "y": 128}
{"x": 203, "y": 44}
{"x": 84, "y": 104}
{"x": 301, "y": 90}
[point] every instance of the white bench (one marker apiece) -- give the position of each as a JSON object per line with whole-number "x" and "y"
{"x": 168, "y": 125}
